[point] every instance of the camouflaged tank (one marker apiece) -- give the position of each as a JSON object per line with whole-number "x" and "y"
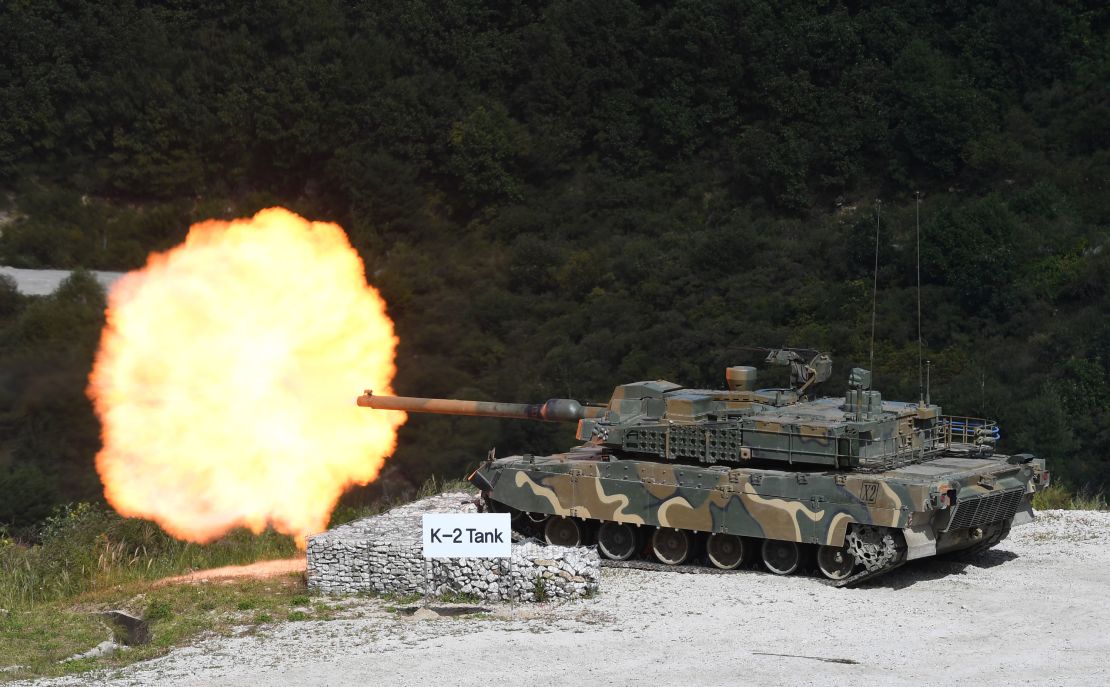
{"x": 855, "y": 485}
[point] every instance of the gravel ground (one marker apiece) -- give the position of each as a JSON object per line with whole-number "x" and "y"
{"x": 44, "y": 282}
{"x": 1035, "y": 610}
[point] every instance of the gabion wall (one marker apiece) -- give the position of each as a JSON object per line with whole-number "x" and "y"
{"x": 383, "y": 554}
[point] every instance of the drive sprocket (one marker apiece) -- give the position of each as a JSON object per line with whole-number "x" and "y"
{"x": 873, "y": 547}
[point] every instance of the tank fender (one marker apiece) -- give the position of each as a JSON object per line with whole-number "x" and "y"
{"x": 831, "y": 530}
{"x": 921, "y": 541}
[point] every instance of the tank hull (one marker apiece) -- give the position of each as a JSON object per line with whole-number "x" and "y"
{"x": 950, "y": 503}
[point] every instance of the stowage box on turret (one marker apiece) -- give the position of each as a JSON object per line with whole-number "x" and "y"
{"x": 858, "y": 485}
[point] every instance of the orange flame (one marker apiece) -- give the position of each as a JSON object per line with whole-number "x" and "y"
{"x": 226, "y": 377}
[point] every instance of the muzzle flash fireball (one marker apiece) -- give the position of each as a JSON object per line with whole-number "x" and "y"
{"x": 223, "y": 379}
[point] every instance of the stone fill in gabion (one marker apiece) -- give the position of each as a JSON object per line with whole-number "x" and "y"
{"x": 383, "y": 554}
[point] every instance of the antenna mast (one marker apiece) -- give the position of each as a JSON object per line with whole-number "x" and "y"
{"x": 920, "y": 380}
{"x": 874, "y": 288}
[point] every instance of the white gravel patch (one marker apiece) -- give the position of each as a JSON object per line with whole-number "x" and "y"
{"x": 1035, "y": 610}
{"x": 45, "y": 282}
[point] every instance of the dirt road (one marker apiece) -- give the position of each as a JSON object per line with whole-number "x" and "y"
{"x": 1036, "y": 610}
{"x": 44, "y": 282}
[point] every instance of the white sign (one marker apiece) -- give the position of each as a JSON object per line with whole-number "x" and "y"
{"x": 467, "y": 535}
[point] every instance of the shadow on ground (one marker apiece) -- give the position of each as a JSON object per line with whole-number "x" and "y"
{"x": 928, "y": 569}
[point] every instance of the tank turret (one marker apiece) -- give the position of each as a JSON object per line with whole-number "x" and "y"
{"x": 660, "y": 420}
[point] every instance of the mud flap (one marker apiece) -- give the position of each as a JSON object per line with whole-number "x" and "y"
{"x": 1024, "y": 516}
{"x": 479, "y": 480}
{"x": 921, "y": 541}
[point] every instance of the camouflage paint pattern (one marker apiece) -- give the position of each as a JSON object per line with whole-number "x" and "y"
{"x": 806, "y": 507}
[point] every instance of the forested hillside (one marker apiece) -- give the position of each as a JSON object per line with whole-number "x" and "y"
{"x": 557, "y": 197}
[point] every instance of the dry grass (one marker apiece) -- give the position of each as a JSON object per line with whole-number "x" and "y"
{"x": 36, "y": 641}
{"x": 85, "y": 548}
{"x": 1059, "y": 497}
{"x": 89, "y": 559}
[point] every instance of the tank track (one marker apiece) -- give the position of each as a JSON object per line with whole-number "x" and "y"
{"x": 875, "y": 548}
{"x": 851, "y": 581}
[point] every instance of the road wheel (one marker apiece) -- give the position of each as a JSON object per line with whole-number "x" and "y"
{"x": 726, "y": 551}
{"x": 781, "y": 557}
{"x": 835, "y": 562}
{"x": 671, "y": 546}
{"x": 563, "y": 532}
{"x": 617, "y": 541}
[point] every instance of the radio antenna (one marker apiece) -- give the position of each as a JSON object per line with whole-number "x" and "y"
{"x": 920, "y": 373}
{"x": 874, "y": 288}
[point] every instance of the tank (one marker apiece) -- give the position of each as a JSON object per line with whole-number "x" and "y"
{"x": 847, "y": 487}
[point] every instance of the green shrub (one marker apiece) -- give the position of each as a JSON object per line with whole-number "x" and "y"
{"x": 539, "y": 589}
{"x": 1052, "y": 498}
{"x": 1085, "y": 500}
{"x": 1059, "y": 497}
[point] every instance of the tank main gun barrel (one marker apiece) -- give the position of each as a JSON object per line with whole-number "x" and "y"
{"x": 554, "y": 410}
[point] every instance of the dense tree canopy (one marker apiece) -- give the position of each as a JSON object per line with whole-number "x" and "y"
{"x": 559, "y": 196}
